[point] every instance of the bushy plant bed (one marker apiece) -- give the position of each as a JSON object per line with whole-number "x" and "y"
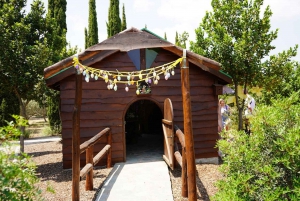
{"x": 264, "y": 165}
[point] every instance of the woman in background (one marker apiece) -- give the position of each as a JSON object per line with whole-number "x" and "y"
{"x": 225, "y": 112}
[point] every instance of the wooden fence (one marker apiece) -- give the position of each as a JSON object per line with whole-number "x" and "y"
{"x": 181, "y": 159}
{"x": 91, "y": 161}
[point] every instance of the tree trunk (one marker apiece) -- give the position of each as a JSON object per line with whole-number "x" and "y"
{"x": 239, "y": 107}
{"x": 23, "y": 114}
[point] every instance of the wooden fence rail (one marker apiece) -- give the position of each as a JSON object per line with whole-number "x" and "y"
{"x": 91, "y": 161}
{"x": 181, "y": 159}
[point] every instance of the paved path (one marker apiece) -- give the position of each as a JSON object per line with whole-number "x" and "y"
{"x": 144, "y": 176}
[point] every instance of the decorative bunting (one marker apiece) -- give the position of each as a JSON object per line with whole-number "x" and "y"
{"x": 112, "y": 78}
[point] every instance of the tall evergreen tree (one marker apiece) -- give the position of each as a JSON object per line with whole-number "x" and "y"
{"x": 124, "y": 24}
{"x": 176, "y": 39}
{"x": 58, "y": 42}
{"x": 92, "y": 33}
{"x": 86, "y": 39}
{"x": 165, "y": 37}
{"x": 114, "y": 21}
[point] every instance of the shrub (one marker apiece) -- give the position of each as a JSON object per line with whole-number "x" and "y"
{"x": 17, "y": 178}
{"x": 17, "y": 173}
{"x": 264, "y": 165}
{"x": 12, "y": 130}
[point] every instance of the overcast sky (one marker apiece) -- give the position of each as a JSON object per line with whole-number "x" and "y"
{"x": 169, "y": 16}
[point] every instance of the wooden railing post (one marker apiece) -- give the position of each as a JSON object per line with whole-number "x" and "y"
{"x": 109, "y": 141}
{"x": 89, "y": 177}
{"x": 188, "y": 129}
{"x": 184, "y": 186}
{"x": 76, "y": 140}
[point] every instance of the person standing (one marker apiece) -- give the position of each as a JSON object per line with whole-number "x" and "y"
{"x": 225, "y": 112}
{"x": 250, "y": 105}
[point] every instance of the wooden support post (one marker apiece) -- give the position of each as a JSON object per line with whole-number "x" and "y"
{"x": 89, "y": 177}
{"x": 109, "y": 141}
{"x": 184, "y": 185}
{"x": 76, "y": 140}
{"x": 188, "y": 129}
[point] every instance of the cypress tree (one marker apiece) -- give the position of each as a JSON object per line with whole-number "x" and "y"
{"x": 85, "y": 38}
{"x": 165, "y": 36}
{"x": 92, "y": 33}
{"x": 57, "y": 12}
{"x": 176, "y": 39}
{"x": 124, "y": 24}
{"x": 114, "y": 21}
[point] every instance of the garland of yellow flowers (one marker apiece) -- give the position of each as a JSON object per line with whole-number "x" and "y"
{"x": 112, "y": 78}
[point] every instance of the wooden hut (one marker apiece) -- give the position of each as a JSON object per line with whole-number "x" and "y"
{"x": 128, "y": 113}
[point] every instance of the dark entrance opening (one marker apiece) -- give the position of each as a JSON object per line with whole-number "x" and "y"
{"x": 143, "y": 132}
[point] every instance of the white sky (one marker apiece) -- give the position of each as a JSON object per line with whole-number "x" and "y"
{"x": 169, "y": 16}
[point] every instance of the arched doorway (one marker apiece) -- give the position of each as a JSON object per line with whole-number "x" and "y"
{"x": 143, "y": 132}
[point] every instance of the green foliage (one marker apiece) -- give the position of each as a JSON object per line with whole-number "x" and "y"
{"x": 92, "y": 35}
{"x": 123, "y": 24}
{"x": 283, "y": 80}
{"x": 266, "y": 164}
{"x": 165, "y": 36}
{"x": 34, "y": 109}
{"x": 17, "y": 181}
{"x": 53, "y": 113}
{"x": 12, "y": 130}
{"x": 9, "y": 105}
{"x": 114, "y": 21}
{"x": 24, "y": 49}
{"x": 86, "y": 39}
{"x": 180, "y": 40}
{"x": 237, "y": 34}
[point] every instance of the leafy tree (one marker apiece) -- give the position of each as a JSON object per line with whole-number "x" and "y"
{"x": 123, "y": 24}
{"x": 165, "y": 36}
{"x": 114, "y": 21}
{"x": 182, "y": 38}
{"x": 92, "y": 34}
{"x": 9, "y": 105}
{"x": 282, "y": 80}
{"x": 237, "y": 34}
{"x": 266, "y": 164}
{"x": 24, "y": 51}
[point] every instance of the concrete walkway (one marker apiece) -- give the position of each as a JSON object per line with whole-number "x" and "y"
{"x": 144, "y": 176}
{"x": 137, "y": 182}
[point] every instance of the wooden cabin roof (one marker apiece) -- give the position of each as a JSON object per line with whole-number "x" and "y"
{"x": 124, "y": 41}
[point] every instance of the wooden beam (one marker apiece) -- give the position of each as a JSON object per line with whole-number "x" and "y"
{"x": 89, "y": 177}
{"x": 109, "y": 154}
{"x": 188, "y": 129}
{"x": 85, "y": 170}
{"x": 76, "y": 140}
{"x": 101, "y": 153}
{"x": 93, "y": 140}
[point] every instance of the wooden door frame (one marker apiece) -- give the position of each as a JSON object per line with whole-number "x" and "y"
{"x": 159, "y": 105}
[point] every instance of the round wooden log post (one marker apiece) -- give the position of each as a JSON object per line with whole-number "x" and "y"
{"x": 76, "y": 140}
{"x": 89, "y": 177}
{"x": 184, "y": 186}
{"x": 109, "y": 141}
{"x": 188, "y": 129}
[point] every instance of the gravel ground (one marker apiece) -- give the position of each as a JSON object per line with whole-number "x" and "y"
{"x": 48, "y": 158}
